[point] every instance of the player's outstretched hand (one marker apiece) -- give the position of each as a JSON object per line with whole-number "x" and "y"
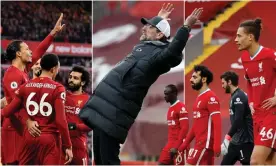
{"x": 194, "y": 17}
{"x": 58, "y": 27}
{"x": 68, "y": 156}
{"x": 165, "y": 11}
{"x": 33, "y": 128}
{"x": 269, "y": 103}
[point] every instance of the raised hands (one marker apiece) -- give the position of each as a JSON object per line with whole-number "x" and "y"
{"x": 165, "y": 11}
{"x": 194, "y": 17}
{"x": 58, "y": 27}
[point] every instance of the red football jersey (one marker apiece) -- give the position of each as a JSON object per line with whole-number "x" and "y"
{"x": 73, "y": 105}
{"x": 261, "y": 75}
{"x": 175, "y": 115}
{"x": 14, "y": 78}
{"x": 43, "y": 99}
{"x": 206, "y": 105}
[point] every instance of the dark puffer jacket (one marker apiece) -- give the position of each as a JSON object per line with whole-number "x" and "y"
{"x": 118, "y": 98}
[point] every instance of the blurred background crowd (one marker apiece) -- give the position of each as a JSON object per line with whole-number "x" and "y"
{"x": 34, "y": 20}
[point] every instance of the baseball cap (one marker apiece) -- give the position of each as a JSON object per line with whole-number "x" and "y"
{"x": 161, "y": 24}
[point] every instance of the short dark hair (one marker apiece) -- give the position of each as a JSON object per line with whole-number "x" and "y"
{"x": 204, "y": 72}
{"x": 85, "y": 76}
{"x": 230, "y": 75}
{"x": 253, "y": 27}
{"x": 173, "y": 88}
{"x": 48, "y": 61}
{"x": 12, "y": 48}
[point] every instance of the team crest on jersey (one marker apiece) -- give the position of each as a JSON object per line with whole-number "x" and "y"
{"x": 260, "y": 66}
{"x": 79, "y": 102}
{"x": 14, "y": 85}
{"x": 183, "y": 110}
{"x": 212, "y": 101}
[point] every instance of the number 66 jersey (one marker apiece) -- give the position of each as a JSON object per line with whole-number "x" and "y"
{"x": 43, "y": 99}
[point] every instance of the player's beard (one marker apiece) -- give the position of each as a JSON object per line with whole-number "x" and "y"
{"x": 73, "y": 87}
{"x": 37, "y": 73}
{"x": 197, "y": 86}
{"x": 227, "y": 89}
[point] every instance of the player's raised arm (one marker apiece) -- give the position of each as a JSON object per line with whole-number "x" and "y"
{"x": 62, "y": 123}
{"x": 43, "y": 46}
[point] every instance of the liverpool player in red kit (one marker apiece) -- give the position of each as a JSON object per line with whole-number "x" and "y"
{"x": 22, "y": 59}
{"x": 206, "y": 127}
{"x": 178, "y": 126}
{"x": 43, "y": 99}
{"x": 260, "y": 71}
{"x": 78, "y": 80}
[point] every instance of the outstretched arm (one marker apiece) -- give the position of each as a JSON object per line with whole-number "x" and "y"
{"x": 43, "y": 46}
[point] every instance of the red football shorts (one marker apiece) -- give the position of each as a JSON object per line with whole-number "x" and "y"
{"x": 42, "y": 150}
{"x": 80, "y": 154}
{"x": 165, "y": 157}
{"x": 200, "y": 156}
{"x": 265, "y": 129}
{"x": 11, "y": 141}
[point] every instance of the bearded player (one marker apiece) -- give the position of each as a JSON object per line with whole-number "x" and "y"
{"x": 178, "y": 126}
{"x": 76, "y": 97}
{"x": 43, "y": 100}
{"x": 206, "y": 127}
{"x": 260, "y": 71}
{"x": 22, "y": 59}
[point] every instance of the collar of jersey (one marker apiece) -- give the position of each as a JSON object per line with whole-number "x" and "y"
{"x": 257, "y": 52}
{"x": 204, "y": 92}
{"x": 174, "y": 103}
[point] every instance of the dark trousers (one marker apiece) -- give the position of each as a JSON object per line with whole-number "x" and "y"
{"x": 106, "y": 149}
{"x": 236, "y": 153}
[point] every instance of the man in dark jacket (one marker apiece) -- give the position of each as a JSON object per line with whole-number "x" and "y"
{"x": 118, "y": 98}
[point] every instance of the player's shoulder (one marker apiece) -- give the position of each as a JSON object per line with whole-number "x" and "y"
{"x": 211, "y": 96}
{"x": 50, "y": 82}
{"x": 240, "y": 95}
{"x": 12, "y": 73}
{"x": 211, "y": 93}
{"x": 179, "y": 106}
{"x": 268, "y": 52}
